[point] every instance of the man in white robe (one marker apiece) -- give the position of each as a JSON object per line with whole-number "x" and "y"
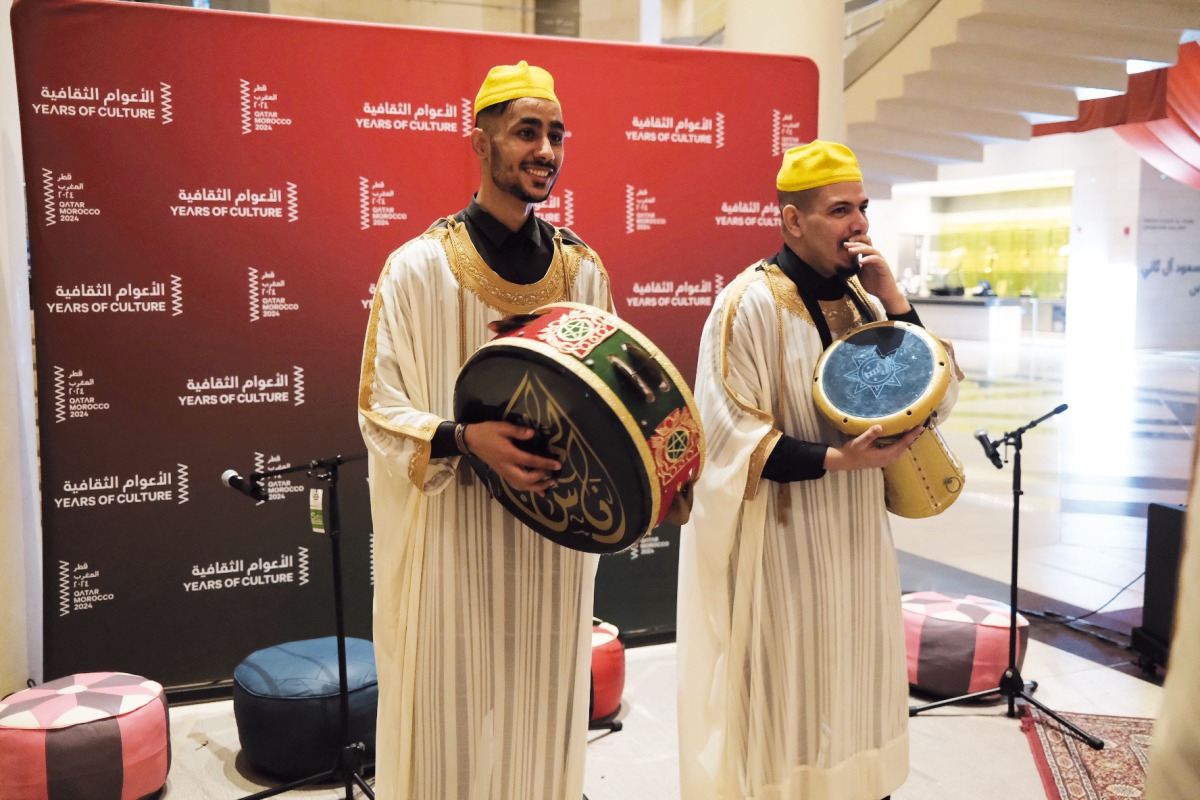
{"x": 1173, "y": 772}
{"x": 792, "y": 678}
{"x": 482, "y": 627}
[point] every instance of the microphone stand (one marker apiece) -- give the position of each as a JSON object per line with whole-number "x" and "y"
{"x": 350, "y": 765}
{"x": 1012, "y": 685}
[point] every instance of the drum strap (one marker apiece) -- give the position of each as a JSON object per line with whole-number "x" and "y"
{"x": 818, "y": 316}
{"x": 814, "y": 307}
{"x": 864, "y": 308}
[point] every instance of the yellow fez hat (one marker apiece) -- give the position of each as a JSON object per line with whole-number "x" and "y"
{"x": 509, "y": 81}
{"x": 816, "y": 164}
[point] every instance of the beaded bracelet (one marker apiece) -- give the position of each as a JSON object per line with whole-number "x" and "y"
{"x": 460, "y": 438}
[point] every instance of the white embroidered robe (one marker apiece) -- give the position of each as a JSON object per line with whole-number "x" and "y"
{"x": 482, "y": 628}
{"x": 792, "y": 677}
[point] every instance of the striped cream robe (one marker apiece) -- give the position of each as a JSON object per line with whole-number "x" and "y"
{"x": 792, "y": 677}
{"x": 481, "y": 627}
{"x": 1174, "y": 769}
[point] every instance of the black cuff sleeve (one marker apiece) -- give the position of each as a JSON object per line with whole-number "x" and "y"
{"x": 795, "y": 460}
{"x": 443, "y": 445}
{"x": 907, "y": 316}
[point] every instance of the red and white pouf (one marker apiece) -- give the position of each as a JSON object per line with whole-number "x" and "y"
{"x": 958, "y": 644}
{"x": 608, "y": 671}
{"x": 90, "y": 736}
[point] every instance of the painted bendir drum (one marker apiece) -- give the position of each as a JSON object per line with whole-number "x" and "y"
{"x": 894, "y": 374}
{"x": 606, "y": 404}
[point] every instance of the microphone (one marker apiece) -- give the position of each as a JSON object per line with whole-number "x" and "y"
{"x": 249, "y": 487}
{"x": 989, "y": 449}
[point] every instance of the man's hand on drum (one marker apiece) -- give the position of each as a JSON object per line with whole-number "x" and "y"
{"x": 680, "y": 510}
{"x": 495, "y": 443}
{"x": 869, "y": 450}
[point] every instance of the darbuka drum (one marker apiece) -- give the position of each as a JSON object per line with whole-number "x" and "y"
{"x": 607, "y": 405}
{"x": 894, "y": 374}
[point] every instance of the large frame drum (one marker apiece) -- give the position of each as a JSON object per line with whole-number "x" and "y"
{"x": 894, "y": 374}
{"x": 607, "y": 404}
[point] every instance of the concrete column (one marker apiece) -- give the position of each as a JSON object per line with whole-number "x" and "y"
{"x": 651, "y": 22}
{"x": 787, "y": 27}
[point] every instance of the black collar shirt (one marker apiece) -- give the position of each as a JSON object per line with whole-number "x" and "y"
{"x": 521, "y": 256}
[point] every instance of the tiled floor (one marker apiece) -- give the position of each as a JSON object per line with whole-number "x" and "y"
{"x": 1088, "y": 474}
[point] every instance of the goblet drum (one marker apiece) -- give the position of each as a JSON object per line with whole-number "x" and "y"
{"x": 894, "y": 374}
{"x": 605, "y": 403}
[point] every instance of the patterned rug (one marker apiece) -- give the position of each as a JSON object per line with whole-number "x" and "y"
{"x": 1071, "y": 770}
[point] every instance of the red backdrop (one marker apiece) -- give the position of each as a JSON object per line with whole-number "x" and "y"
{"x": 211, "y": 196}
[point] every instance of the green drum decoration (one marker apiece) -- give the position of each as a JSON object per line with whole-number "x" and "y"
{"x": 606, "y": 403}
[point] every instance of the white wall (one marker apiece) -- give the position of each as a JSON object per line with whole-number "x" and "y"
{"x": 1102, "y": 267}
{"x": 812, "y": 30}
{"x": 1168, "y": 264}
{"x": 20, "y": 524}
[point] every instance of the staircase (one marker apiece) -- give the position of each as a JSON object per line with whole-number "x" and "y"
{"x": 938, "y": 79}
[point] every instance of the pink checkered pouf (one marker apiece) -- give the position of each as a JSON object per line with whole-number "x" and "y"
{"x": 958, "y": 644}
{"x": 91, "y": 736}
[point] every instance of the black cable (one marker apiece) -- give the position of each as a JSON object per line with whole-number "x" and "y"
{"x": 1067, "y": 620}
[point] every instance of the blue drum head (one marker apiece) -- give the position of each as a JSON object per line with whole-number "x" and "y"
{"x": 877, "y": 373}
